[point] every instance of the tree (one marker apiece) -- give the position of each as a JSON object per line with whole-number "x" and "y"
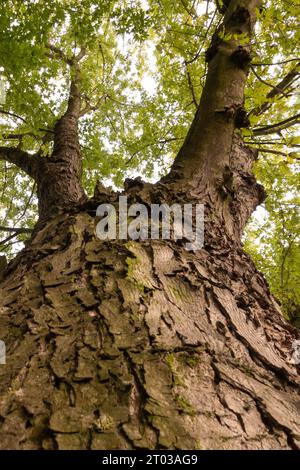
{"x": 139, "y": 344}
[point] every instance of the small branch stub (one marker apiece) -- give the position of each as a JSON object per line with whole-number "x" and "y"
{"x": 241, "y": 58}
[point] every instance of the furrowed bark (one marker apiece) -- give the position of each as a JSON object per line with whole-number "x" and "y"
{"x": 208, "y": 167}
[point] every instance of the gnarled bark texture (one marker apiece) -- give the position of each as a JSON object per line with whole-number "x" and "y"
{"x": 143, "y": 344}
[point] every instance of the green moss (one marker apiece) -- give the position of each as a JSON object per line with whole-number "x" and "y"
{"x": 198, "y": 445}
{"x": 178, "y": 293}
{"x": 170, "y": 360}
{"x": 176, "y": 380}
{"x": 134, "y": 316}
{"x": 193, "y": 361}
{"x": 184, "y": 405}
{"x": 139, "y": 268}
{"x": 104, "y": 423}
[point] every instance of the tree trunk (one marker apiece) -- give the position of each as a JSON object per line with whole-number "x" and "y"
{"x": 143, "y": 344}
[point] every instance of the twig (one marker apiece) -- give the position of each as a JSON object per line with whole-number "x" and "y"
{"x": 264, "y": 64}
{"x": 279, "y": 90}
{"x": 280, "y": 87}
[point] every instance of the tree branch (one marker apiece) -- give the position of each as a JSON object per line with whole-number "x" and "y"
{"x": 7, "y": 239}
{"x": 8, "y": 113}
{"x": 269, "y": 142}
{"x": 278, "y": 89}
{"x": 196, "y": 56}
{"x": 71, "y": 61}
{"x": 59, "y": 53}
{"x": 191, "y": 86}
{"x": 47, "y": 137}
{"x": 266, "y": 64}
{"x": 88, "y": 107}
{"x": 66, "y": 139}
{"x": 23, "y": 160}
{"x": 278, "y": 126}
{"x": 275, "y": 152}
{"x": 81, "y": 54}
{"x": 192, "y": 13}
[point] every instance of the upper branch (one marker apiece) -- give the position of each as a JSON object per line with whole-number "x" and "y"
{"x": 74, "y": 101}
{"x": 54, "y": 50}
{"x": 10, "y": 114}
{"x": 66, "y": 141}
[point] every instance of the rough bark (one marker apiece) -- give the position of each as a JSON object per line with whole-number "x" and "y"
{"x": 203, "y": 157}
{"x": 142, "y": 344}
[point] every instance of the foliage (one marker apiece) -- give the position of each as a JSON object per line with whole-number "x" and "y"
{"x": 273, "y": 237}
{"x": 141, "y": 78}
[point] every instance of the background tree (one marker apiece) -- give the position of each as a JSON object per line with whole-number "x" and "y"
{"x": 143, "y": 344}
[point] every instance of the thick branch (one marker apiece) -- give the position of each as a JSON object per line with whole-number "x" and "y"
{"x": 81, "y": 54}
{"x": 74, "y": 102}
{"x": 10, "y": 114}
{"x": 59, "y": 53}
{"x": 23, "y": 160}
{"x": 7, "y": 239}
{"x": 280, "y": 62}
{"x": 73, "y": 108}
{"x": 46, "y": 137}
{"x": 14, "y": 232}
{"x": 66, "y": 140}
{"x": 59, "y": 187}
{"x": 275, "y": 152}
{"x": 58, "y": 175}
